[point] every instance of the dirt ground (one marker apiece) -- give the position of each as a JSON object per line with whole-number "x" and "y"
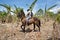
{"x": 12, "y": 31}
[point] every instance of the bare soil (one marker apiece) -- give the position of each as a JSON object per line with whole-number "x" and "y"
{"x": 12, "y": 31}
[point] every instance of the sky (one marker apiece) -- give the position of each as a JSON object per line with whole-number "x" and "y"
{"x": 40, "y": 4}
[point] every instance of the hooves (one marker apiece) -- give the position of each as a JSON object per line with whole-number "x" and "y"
{"x": 30, "y": 30}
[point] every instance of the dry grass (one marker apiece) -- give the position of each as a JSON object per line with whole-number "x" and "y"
{"x": 11, "y": 31}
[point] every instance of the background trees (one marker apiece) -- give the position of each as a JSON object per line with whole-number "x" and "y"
{"x": 44, "y": 13}
{"x": 3, "y": 16}
{"x": 9, "y": 16}
{"x": 8, "y": 8}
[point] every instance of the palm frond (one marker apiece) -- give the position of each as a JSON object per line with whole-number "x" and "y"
{"x": 45, "y": 8}
{"x": 32, "y": 5}
{"x": 7, "y": 7}
{"x": 39, "y": 12}
{"x": 52, "y": 6}
{"x": 4, "y": 5}
{"x": 16, "y": 8}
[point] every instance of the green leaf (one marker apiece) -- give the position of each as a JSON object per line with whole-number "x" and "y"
{"x": 7, "y": 7}
{"x": 39, "y": 12}
{"x": 52, "y": 6}
{"x": 32, "y": 5}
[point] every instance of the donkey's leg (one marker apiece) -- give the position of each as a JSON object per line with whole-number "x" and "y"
{"x": 34, "y": 27}
{"x": 38, "y": 27}
{"x": 21, "y": 26}
{"x": 24, "y": 28}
